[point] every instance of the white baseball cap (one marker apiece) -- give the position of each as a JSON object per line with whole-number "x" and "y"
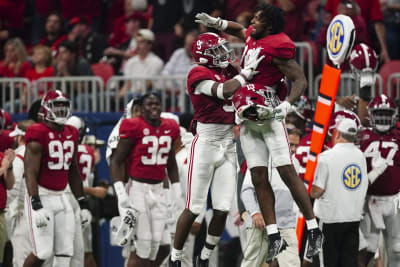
{"x": 146, "y": 34}
{"x": 347, "y": 126}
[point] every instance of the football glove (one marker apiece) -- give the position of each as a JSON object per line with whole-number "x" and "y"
{"x": 282, "y": 110}
{"x": 211, "y": 22}
{"x": 120, "y": 231}
{"x": 251, "y": 62}
{"x": 126, "y": 211}
{"x": 379, "y": 166}
{"x": 86, "y": 215}
{"x": 40, "y": 216}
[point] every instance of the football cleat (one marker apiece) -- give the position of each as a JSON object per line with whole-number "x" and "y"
{"x": 276, "y": 244}
{"x": 315, "y": 239}
{"x": 176, "y": 263}
{"x": 201, "y": 263}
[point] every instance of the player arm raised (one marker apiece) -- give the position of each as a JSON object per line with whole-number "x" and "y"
{"x": 293, "y": 72}
{"x": 230, "y": 27}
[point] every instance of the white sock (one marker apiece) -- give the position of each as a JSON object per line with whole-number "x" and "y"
{"x": 205, "y": 253}
{"x": 312, "y": 224}
{"x": 176, "y": 254}
{"x": 271, "y": 229}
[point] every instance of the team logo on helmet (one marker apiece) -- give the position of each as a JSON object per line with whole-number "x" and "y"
{"x": 351, "y": 176}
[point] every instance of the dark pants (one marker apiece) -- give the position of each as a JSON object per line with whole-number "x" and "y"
{"x": 340, "y": 247}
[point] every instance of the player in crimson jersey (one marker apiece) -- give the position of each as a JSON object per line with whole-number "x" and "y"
{"x": 5, "y": 140}
{"x": 211, "y": 85}
{"x": 50, "y": 165}
{"x": 147, "y": 144}
{"x": 264, "y": 132}
{"x": 380, "y": 145}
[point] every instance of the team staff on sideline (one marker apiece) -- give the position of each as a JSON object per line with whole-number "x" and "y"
{"x": 210, "y": 85}
{"x": 339, "y": 187}
{"x": 50, "y": 165}
{"x": 148, "y": 141}
{"x": 286, "y": 210}
{"x": 267, "y": 135}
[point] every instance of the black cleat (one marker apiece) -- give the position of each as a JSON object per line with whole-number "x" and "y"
{"x": 171, "y": 263}
{"x": 200, "y": 262}
{"x": 315, "y": 239}
{"x": 276, "y": 244}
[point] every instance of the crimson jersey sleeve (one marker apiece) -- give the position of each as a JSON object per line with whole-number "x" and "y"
{"x": 36, "y": 133}
{"x": 128, "y": 128}
{"x": 175, "y": 132}
{"x": 198, "y": 74}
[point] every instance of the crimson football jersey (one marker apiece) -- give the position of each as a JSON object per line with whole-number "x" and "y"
{"x": 58, "y": 148}
{"x": 5, "y": 140}
{"x": 149, "y": 157}
{"x": 275, "y": 45}
{"x": 85, "y": 158}
{"x": 302, "y": 153}
{"x": 209, "y": 109}
{"x": 387, "y": 145}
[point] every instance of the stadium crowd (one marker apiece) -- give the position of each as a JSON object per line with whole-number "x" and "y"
{"x": 234, "y": 167}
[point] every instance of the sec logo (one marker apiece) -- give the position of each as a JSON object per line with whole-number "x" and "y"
{"x": 336, "y": 37}
{"x": 352, "y": 176}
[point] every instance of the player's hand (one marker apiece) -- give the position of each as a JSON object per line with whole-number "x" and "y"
{"x": 282, "y": 110}
{"x": 258, "y": 221}
{"x": 126, "y": 211}
{"x": 40, "y": 215}
{"x": 211, "y": 22}
{"x": 120, "y": 231}
{"x": 251, "y": 62}
{"x": 265, "y": 113}
{"x": 86, "y": 218}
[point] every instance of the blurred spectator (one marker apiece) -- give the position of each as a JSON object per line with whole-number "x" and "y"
{"x": 15, "y": 63}
{"x": 294, "y": 16}
{"x": 42, "y": 66}
{"x": 5, "y": 140}
{"x": 91, "y": 44}
{"x": 372, "y": 14}
{"x": 89, "y": 8}
{"x": 144, "y": 63}
{"x": 54, "y": 33}
{"x": 190, "y": 9}
{"x": 391, "y": 18}
{"x": 232, "y": 8}
{"x": 118, "y": 54}
{"x": 181, "y": 61}
{"x": 69, "y": 63}
{"x": 11, "y": 18}
{"x": 166, "y": 15}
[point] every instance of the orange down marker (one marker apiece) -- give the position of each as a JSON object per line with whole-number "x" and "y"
{"x": 326, "y": 101}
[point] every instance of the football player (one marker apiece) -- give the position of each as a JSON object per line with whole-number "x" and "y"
{"x": 380, "y": 145}
{"x": 210, "y": 85}
{"x": 49, "y": 166}
{"x": 263, "y": 131}
{"x": 5, "y": 140}
{"x": 148, "y": 141}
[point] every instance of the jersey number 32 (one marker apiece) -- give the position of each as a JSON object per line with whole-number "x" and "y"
{"x": 157, "y": 151}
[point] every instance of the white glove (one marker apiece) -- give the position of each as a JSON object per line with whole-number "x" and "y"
{"x": 120, "y": 232}
{"x": 178, "y": 196}
{"x": 265, "y": 113}
{"x": 40, "y": 215}
{"x": 127, "y": 213}
{"x": 208, "y": 21}
{"x": 86, "y": 218}
{"x": 282, "y": 110}
{"x": 251, "y": 62}
{"x": 379, "y": 166}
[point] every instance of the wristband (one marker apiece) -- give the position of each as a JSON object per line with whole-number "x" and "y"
{"x": 220, "y": 91}
{"x": 36, "y": 203}
{"x": 120, "y": 190}
{"x": 83, "y": 203}
{"x": 224, "y": 24}
{"x": 240, "y": 79}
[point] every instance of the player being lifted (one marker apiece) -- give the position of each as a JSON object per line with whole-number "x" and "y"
{"x": 50, "y": 164}
{"x": 263, "y": 130}
{"x": 211, "y": 85}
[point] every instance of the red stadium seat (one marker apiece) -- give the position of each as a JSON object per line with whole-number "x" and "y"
{"x": 385, "y": 71}
{"x": 103, "y": 70}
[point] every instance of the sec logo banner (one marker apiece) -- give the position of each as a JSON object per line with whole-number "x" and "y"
{"x": 340, "y": 38}
{"x": 352, "y": 176}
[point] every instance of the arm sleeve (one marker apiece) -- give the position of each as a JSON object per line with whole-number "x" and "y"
{"x": 204, "y": 87}
{"x": 321, "y": 173}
